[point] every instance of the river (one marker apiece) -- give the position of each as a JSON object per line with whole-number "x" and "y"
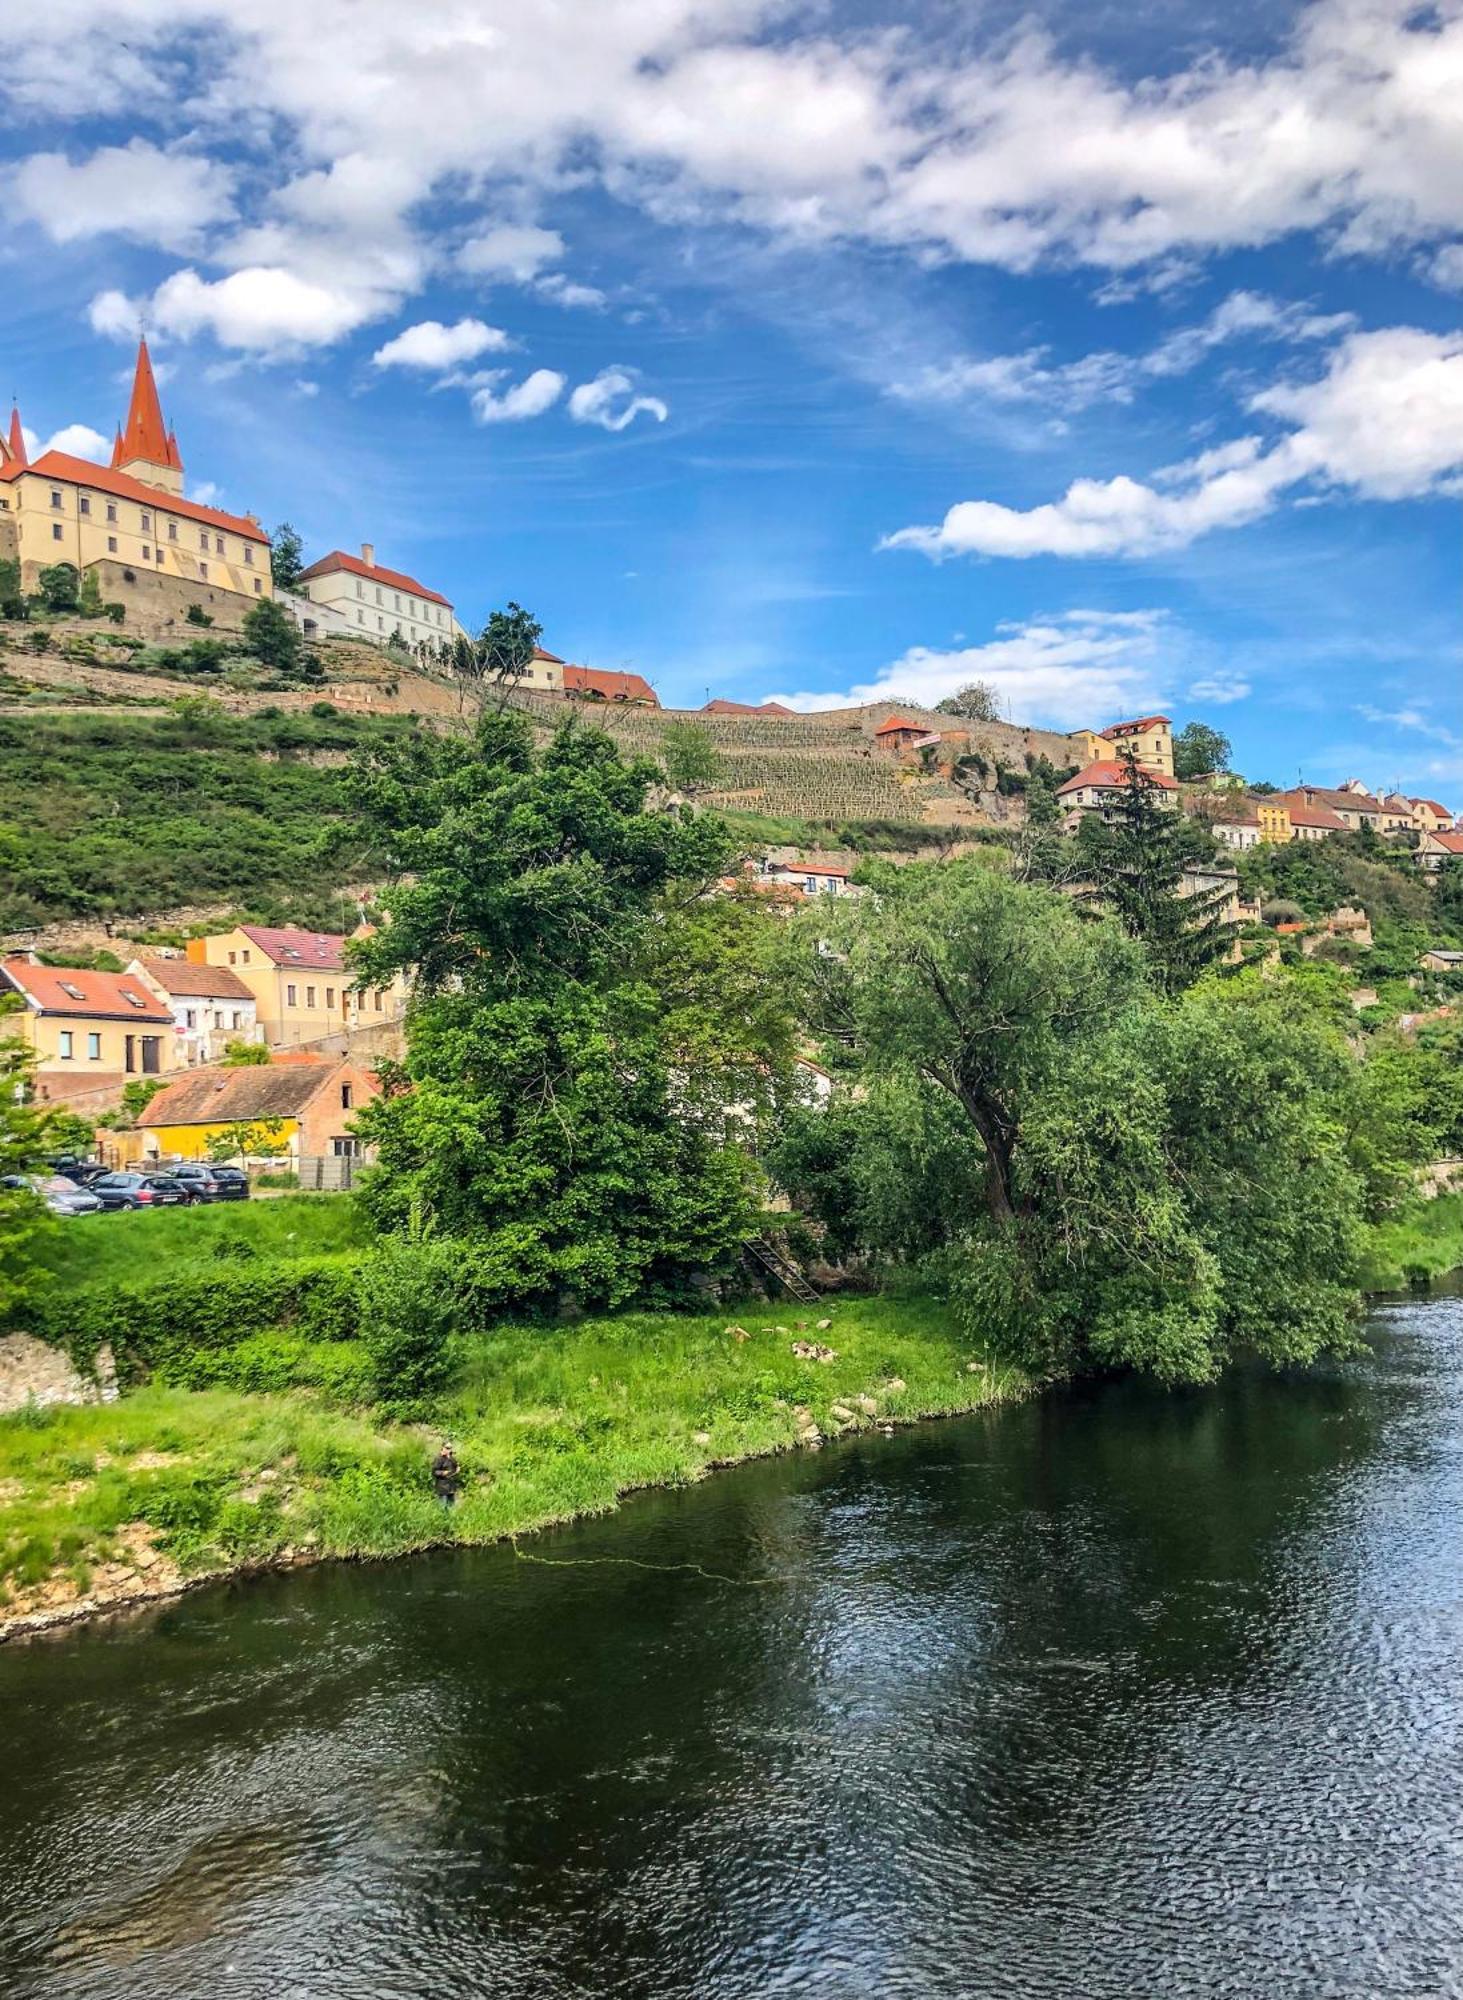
{"x": 1114, "y": 1694}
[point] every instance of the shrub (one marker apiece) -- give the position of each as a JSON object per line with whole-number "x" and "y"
{"x": 196, "y": 615}
{"x": 407, "y": 1303}
{"x": 116, "y": 612}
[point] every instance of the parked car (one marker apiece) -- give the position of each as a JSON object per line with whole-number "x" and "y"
{"x": 130, "y": 1189}
{"x": 233, "y": 1183}
{"x": 61, "y": 1196}
{"x": 202, "y": 1182}
{"x": 80, "y": 1172}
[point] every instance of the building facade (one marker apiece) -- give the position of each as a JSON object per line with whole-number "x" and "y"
{"x": 128, "y": 522}
{"x": 211, "y": 1006}
{"x": 88, "y": 1031}
{"x": 288, "y": 1111}
{"x": 302, "y": 987}
{"x": 377, "y": 603}
{"x": 1101, "y": 786}
{"x": 1149, "y": 737}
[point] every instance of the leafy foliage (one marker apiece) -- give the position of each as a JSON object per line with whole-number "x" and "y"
{"x": 978, "y": 702}
{"x": 286, "y": 557}
{"x": 273, "y": 637}
{"x": 24, "y": 1135}
{"x": 1199, "y": 750}
{"x": 690, "y": 756}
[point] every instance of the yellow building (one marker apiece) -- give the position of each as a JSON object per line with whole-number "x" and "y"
{"x": 1149, "y": 737}
{"x": 128, "y": 522}
{"x": 90, "y": 1031}
{"x": 1273, "y": 815}
{"x": 302, "y": 986}
{"x": 299, "y": 1108}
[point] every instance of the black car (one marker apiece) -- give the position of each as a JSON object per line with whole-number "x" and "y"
{"x": 202, "y": 1183}
{"x": 233, "y": 1183}
{"x": 81, "y": 1172}
{"x": 129, "y": 1189}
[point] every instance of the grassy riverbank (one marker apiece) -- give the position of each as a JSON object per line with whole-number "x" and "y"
{"x": 1423, "y": 1242}
{"x": 105, "y": 1503}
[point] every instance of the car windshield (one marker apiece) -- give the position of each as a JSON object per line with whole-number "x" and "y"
{"x": 58, "y": 1184}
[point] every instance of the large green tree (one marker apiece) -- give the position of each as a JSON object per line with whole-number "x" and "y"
{"x": 1199, "y": 751}
{"x": 286, "y": 557}
{"x": 548, "y": 1104}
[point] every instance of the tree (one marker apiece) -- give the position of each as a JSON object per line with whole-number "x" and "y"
{"x": 1199, "y": 750}
{"x": 1136, "y": 859}
{"x": 542, "y": 1104}
{"x": 977, "y": 702}
{"x": 286, "y": 557}
{"x": 499, "y": 656}
{"x": 89, "y": 595}
{"x": 273, "y": 637}
{"x": 137, "y": 1093}
{"x": 24, "y": 1138}
{"x": 1449, "y": 898}
{"x": 244, "y": 1055}
{"x": 690, "y": 756}
{"x": 12, "y": 594}
{"x": 59, "y": 587}
{"x": 246, "y": 1139}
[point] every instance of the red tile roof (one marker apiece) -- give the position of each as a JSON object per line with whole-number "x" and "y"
{"x": 542, "y": 653}
{"x": 1112, "y": 776}
{"x": 15, "y": 443}
{"x": 316, "y": 951}
{"x": 184, "y": 977}
{"x": 69, "y": 471}
{"x": 898, "y": 724}
{"x": 1451, "y": 843}
{"x": 65, "y": 989}
{"x": 222, "y": 1096}
{"x": 608, "y": 686}
{"x": 394, "y": 579}
{"x": 1307, "y": 808}
{"x": 721, "y": 706}
{"x": 144, "y": 435}
{"x": 1143, "y": 722}
{"x": 1432, "y": 806}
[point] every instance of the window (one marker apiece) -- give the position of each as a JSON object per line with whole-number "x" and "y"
{"x": 157, "y": 555}
{"x": 111, "y": 510}
{"x": 258, "y": 587}
{"x": 67, "y": 1038}
{"x": 218, "y": 545}
{"x": 146, "y": 553}
{"x": 56, "y": 532}
{"x": 309, "y": 996}
{"x": 202, "y": 570}
{"x": 289, "y": 996}
{"x": 380, "y": 1000}
{"x": 133, "y": 999}
{"x": 55, "y": 496}
{"x": 243, "y": 958}
{"x": 203, "y": 540}
{"x": 94, "y": 1048}
{"x": 233, "y": 958}
{"x": 111, "y": 545}
{"x": 146, "y": 524}
{"x": 330, "y": 996}
{"x": 238, "y": 1019}
{"x": 360, "y": 590}
{"x": 83, "y": 505}
{"x": 345, "y": 1149}
{"x": 249, "y": 557}
{"x": 378, "y": 595}
{"x": 172, "y": 531}
{"x": 360, "y": 618}
{"x": 345, "y": 1097}
{"x": 380, "y": 621}
{"x": 398, "y": 600}
{"x": 190, "y": 1017}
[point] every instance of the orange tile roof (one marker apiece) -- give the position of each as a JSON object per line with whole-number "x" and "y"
{"x": 65, "y": 989}
{"x": 1451, "y": 843}
{"x": 1111, "y": 776}
{"x": 15, "y": 443}
{"x": 897, "y": 724}
{"x": 145, "y": 435}
{"x": 394, "y": 579}
{"x": 1143, "y": 722}
{"x": 60, "y": 465}
{"x": 1432, "y": 806}
{"x": 610, "y": 686}
{"x": 721, "y": 706}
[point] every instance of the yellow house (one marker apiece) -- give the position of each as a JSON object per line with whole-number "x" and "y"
{"x": 1149, "y": 737}
{"x": 298, "y": 1108}
{"x": 129, "y": 522}
{"x": 302, "y": 986}
{"x": 1274, "y": 817}
{"x": 90, "y": 1031}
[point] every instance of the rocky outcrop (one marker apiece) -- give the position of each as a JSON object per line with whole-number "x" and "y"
{"x": 32, "y": 1372}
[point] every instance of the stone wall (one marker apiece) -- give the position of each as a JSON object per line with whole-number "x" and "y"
{"x": 157, "y": 605}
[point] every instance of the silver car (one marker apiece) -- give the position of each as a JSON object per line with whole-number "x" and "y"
{"x": 62, "y": 1197}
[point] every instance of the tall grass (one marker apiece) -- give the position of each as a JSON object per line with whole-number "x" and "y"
{"x": 1423, "y": 1242}
{"x": 128, "y": 1246}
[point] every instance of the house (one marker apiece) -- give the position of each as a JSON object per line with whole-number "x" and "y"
{"x": 302, "y": 986}
{"x": 379, "y": 604}
{"x": 1352, "y": 804}
{"x": 801, "y": 875}
{"x": 1100, "y": 786}
{"x": 89, "y": 1031}
{"x": 1149, "y": 737}
{"x": 1438, "y": 960}
{"x": 723, "y": 707}
{"x": 1310, "y": 821}
{"x": 1222, "y": 886}
{"x": 297, "y": 1110}
{"x": 544, "y": 671}
{"x": 1260, "y": 821}
{"x": 899, "y": 734}
{"x": 128, "y": 523}
{"x": 1433, "y": 849}
{"x": 595, "y": 684}
{"x": 1429, "y": 817}
{"x": 211, "y": 1006}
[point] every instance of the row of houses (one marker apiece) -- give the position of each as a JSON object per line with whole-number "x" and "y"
{"x": 1316, "y": 812}
{"x": 90, "y": 1032}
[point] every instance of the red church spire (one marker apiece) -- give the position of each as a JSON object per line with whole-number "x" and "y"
{"x": 117, "y": 449}
{"x": 144, "y": 435}
{"x": 15, "y": 443}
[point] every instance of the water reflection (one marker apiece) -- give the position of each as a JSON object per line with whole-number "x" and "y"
{"x": 1117, "y": 1694}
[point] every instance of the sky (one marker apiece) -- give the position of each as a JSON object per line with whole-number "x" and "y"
{"x": 819, "y": 352}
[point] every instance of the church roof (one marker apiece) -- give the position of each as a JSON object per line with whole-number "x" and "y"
{"x": 102, "y": 479}
{"x": 15, "y": 443}
{"x": 145, "y": 436}
{"x": 394, "y": 579}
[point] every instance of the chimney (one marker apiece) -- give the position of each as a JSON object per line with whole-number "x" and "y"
{"x": 368, "y": 554}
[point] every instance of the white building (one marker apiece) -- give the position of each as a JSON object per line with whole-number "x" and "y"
{"x": 378, "y": 603}
{"x": 211, "y": 1006}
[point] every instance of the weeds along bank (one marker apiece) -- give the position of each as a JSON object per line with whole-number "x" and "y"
{"x": 273, "y": 1445}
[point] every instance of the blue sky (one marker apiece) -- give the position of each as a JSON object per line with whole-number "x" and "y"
{"x": 1113, "y": 356}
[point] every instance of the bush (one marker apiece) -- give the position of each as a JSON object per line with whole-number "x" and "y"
{"x": 116, "y": 612}
{"x": 407, "y": 1302}
{"x": 196, "y": 615}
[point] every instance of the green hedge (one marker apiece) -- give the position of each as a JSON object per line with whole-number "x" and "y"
{"x": 162, "y": 1324}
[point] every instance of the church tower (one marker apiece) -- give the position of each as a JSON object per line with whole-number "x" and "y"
{"x": 145, "y": 447}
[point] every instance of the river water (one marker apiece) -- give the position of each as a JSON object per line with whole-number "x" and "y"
{"x": 1115, "y": 1694}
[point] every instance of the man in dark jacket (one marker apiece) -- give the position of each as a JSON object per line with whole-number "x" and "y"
{"x": 446, "y": 1477}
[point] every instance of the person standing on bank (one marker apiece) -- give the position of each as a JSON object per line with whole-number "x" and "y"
{"x": 446, "y": 1476}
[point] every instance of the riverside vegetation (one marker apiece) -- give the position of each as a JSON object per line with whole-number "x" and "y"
{"x": 1064, "y": 1136}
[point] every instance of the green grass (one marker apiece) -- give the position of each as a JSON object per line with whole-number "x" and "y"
{"x": 129, "y": 1247}
{"x": 1424, "y": 1241}
{"x": 547, "y": 1424}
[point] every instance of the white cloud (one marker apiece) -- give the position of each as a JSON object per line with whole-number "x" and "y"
{"x": 260, "y": 309}
{"x": 136, "y": 190}
{"x": 1078, "y": 668}
{"x": 611, "y": 402}
{"x": 1219, "y": 690}
{"x": 430, "y": 344}
{"x": 1446, "y": 268}
{"x": 77, "y": 440}
{"x": 529, "y": 398}
{"x": 565, "y": 292}
{"x": 1384, "y": 421}
{"x": 115, "y": 316}
{"x": 512, "y": 251}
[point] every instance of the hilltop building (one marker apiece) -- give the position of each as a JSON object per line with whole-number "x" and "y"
{"x": 377, "y": 603}
{"x": 1101, "y": 786}
{"x": 1149, "y": 737}
{"x": 128, "y": 522}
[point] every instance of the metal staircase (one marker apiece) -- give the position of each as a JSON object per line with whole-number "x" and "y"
{"x": 782, "y": 1268}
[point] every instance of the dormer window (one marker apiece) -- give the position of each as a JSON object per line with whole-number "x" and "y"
{"x": 133, "y": 999}
{"x": 75, "y": 991}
